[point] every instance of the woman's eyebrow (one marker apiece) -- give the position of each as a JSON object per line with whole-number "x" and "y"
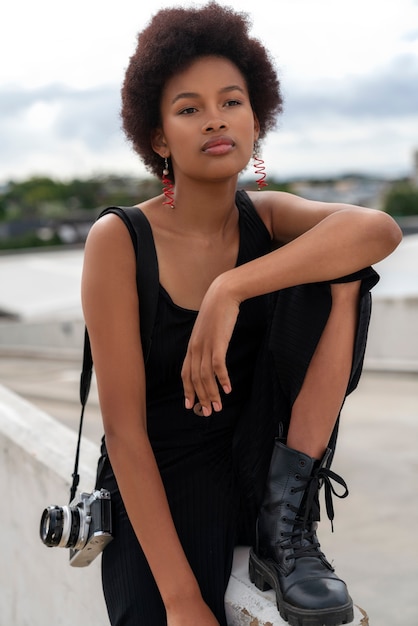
{"x": 231, "y": 88}
{"x": 185, "y": 94}
{"x": 192, "y": 94}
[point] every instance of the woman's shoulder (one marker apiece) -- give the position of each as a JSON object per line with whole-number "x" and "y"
{"x": 256, "y": 206}
{"x": 107, "y": 229}
{"x": 287, "y": 215}
{"x": 267, "y": 201}
{"x": 108, "y": 244}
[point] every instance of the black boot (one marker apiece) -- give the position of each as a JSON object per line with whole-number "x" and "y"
{"x": 287, "y": 556}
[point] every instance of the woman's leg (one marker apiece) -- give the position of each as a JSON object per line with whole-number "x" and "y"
{"x": 287, "y": 554}
{"x": 317, "y": 407}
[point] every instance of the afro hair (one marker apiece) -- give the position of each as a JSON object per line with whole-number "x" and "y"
{"x": 174, "y": 38}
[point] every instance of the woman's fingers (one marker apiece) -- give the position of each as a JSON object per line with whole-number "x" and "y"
{"x": 201, "y": 373}
{"x": 204, "y": 371}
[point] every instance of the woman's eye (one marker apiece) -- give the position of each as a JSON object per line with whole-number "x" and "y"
{"x": 232, "y": 103}
{"x": 188, "y": 111}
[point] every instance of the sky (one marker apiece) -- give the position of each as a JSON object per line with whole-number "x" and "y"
{"x": 348, "y": 70}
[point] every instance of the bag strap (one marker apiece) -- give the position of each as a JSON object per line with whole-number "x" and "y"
{"x": 147, "y": 280}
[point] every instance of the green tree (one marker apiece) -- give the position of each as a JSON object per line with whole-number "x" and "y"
{"x": 401, "y": 199}
{"x": 33, "y": 197}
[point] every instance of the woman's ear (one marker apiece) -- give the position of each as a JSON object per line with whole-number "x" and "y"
{"x": 256, "y": 128}
{"x": 159, "y": 144}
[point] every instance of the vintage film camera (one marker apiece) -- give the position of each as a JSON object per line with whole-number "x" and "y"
{"x": 84, "y": 526}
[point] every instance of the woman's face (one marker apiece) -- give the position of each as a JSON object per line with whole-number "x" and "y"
{"x": 208, "y": 125}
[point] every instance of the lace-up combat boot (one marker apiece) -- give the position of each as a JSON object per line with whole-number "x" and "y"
{"x": 287, "y": 556}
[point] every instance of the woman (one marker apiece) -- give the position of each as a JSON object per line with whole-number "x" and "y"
{"x": 198, "y": 95}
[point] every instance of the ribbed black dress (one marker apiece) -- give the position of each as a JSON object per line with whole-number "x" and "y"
{"x": 214, "y": 469}
{"x": 194, "y": 454}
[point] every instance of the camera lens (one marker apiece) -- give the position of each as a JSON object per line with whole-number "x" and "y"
{"x": 60, "y": 526}
{"x": 52, "y": 525}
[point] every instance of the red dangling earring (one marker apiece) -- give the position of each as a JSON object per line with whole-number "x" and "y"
{"x": 168, "y": 187}
{"x": 259, "y": 168}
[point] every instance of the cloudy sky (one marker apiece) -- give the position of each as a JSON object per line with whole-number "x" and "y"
{"x": 349, "y": 71}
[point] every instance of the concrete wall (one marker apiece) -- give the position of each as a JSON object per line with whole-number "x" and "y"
{"x": 58, "y": 336}
{"x": 37, "y": 585}
{"x": 393, "y": 338}
{"x": 392, "y": 344}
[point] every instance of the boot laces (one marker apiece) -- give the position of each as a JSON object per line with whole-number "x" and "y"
{"x": 303, "y": 534}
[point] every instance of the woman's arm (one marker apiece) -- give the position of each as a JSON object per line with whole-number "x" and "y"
{"x": 111, "y": 311}
{"x": 322, "y": 242}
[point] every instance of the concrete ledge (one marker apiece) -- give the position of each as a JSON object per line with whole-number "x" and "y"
{"x": 36, "y": 584}
{"x": 392, "y": 343}
{"x": 52, "y": 335}
{"x": 248, "y": 606}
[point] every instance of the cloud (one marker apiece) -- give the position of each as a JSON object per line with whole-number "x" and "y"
{"x": 91, "y": 115}
{"x": 61, "y": 131}
{"x": 328, "y": 125}
{"x": 411, "y": 35}
{"x": 366, "y": 123}
{"x": 390, "y": 93}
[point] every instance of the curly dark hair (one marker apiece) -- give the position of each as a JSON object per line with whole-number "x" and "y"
{"x": 173, "y": 39}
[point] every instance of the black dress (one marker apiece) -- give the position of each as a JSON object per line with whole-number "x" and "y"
{"x": 193, "y": 453}
{"x": 214, "y": 469}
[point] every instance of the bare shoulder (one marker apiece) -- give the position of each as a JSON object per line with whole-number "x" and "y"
{"x": 288, "y": 216}
{"x": 284, "y": 214}
{"x": 108, "y": 245}
{"x": 283, "y": 203}
{"x": 108, "y": 230}
{"x": 109, "y": 267}
{"x": 267, "y": 201}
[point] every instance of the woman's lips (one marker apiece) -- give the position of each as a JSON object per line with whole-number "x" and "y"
{"x": 218, "y": 145}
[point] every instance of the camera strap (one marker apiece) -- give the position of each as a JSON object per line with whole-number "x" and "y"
{"x": 147, "y": 281}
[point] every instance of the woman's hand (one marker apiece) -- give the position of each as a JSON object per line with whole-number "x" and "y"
{"x": 204, "y": 365}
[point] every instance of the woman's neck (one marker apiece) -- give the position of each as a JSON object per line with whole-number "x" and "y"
{"x": 204, "y": 207}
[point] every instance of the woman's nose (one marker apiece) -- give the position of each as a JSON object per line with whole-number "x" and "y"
{"x": 214, "y": 124}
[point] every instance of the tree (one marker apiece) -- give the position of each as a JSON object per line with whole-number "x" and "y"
{"x": 401, "y": 200}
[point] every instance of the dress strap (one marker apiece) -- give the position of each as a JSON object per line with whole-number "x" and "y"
{"x": 255, "y": 238}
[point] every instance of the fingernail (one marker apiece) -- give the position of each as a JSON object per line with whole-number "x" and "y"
{"x": 226, "y": 389}
{"x": 187, "y": 403}
{"x": 216, "y": 406}
{"x": 206, "y": 412}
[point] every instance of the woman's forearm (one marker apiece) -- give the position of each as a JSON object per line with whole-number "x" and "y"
{"x": 340, "y": 244}
{"x": 143, "y": 493}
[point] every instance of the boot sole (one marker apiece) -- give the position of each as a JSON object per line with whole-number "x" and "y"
{"x": 264, "y": 578}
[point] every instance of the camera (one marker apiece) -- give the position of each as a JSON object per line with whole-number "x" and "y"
{"x": 84, "y": 526}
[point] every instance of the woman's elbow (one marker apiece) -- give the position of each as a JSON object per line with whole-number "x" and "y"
{"x": 385, "y": 232}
